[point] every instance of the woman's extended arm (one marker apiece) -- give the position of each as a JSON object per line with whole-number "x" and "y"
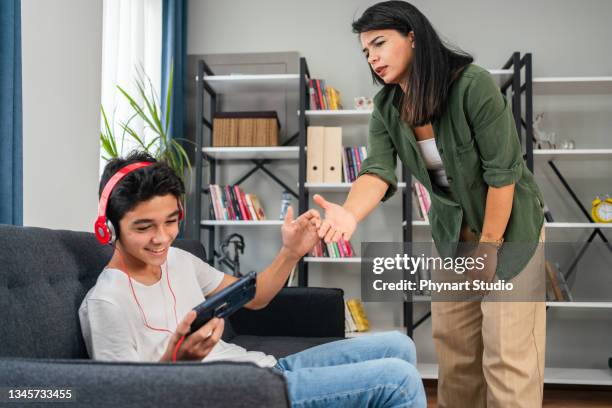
{"x": 341, "y": 221}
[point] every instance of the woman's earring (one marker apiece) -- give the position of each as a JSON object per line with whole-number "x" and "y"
{"x": 412, "y": 45}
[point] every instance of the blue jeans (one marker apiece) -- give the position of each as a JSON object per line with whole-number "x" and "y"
{"x": 369, "y": 371}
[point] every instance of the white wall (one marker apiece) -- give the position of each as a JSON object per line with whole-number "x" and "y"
{"x": 62, "y": 48}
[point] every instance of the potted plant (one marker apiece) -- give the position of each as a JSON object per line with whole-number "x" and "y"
{"x": 163, "y": 146}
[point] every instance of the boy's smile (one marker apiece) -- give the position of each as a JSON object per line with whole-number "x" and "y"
{"x": 146, "y": 233}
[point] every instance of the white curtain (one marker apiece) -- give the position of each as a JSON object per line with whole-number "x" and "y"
{"x": 132, "y": 38}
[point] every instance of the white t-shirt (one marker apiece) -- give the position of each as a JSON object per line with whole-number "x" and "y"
{"x": 113, "y": 326}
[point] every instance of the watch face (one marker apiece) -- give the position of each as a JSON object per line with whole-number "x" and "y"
{"x": 604, "y": 211}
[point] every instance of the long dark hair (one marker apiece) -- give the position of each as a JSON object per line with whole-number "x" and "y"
{"x": 434, "y": 67}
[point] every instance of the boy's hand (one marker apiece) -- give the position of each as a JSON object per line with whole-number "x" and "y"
{"x": 198, "y": 344}
{"x": 300, "y": 235}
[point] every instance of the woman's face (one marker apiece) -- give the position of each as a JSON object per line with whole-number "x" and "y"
{"x": 389, "y": 53}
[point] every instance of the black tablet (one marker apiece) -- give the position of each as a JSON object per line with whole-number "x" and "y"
{"x": 225, "y": 302}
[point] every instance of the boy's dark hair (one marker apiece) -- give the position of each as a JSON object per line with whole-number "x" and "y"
{"x": 140, "y": 185}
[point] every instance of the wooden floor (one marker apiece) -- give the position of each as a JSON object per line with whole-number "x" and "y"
{"x": 554, "y": 397}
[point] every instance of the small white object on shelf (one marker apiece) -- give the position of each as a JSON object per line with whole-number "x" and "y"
{"x": 248, "y": 153}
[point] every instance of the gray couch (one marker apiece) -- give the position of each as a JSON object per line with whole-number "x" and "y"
{"x": 44, "y": 275}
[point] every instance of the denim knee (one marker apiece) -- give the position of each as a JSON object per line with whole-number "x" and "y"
{"x": 400, "y": 346}
{"x": 406, "y": 378}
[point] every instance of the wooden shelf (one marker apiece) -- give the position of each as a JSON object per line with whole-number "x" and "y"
{"x": 575, "y": 225}
{"x": 313, "y": 259}
{"x": 342, "y": 117}
{"x": 241, "y": 223}
{"x": 581, "y": 305}
{"x": 568, "y": 305}
{"x": 572, "y": 85}
{"x": 226, "y": 84}
{"x": 573, "y": 154}
{"x": 250, "y": 153}
{"x": 374, "y": 330}
{"x": 501, "y": 75}
{"x": 578, "y": 376}
{"x": 417, "y": 223}
{"x": 336, "y": 187}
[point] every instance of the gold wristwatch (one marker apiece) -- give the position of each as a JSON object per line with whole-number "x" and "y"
{"x": 495, "y": 242}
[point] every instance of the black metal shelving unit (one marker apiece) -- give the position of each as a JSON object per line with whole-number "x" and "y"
{"x": 203, "y": 88}
{"x": 515, "y": 84}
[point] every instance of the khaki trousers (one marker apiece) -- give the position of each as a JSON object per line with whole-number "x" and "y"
{"x": 491, "y": 354}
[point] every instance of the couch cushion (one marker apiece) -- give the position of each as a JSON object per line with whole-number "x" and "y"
{"x": 113, "y": 384}
{"x": 44, "y": 277}
{"x": 280, "y": 346}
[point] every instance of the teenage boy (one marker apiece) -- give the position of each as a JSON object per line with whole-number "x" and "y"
{"x": 141, "y": 306}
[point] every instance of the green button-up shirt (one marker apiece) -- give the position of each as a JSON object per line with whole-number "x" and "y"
{"x": 478, "y": 143}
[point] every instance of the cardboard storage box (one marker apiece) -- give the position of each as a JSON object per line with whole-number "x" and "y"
{"x": 231, "y": 129}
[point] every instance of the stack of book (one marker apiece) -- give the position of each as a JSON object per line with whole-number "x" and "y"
{"x": 351, "y": 161}
{"x": 340, "y": 249}
{"x": 323, "y": 97}
{"x": 355, "y": 319}
{"x": 421, "y": 202}
{"x": 230, "y": 203}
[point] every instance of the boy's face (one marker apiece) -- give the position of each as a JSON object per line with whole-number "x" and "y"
{"x": 149, "y": 229}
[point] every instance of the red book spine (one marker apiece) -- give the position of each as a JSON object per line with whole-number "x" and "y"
{"x": 243, "y": 211}
{"x": 321, "y": 102}
{"x": 245, "y": 205}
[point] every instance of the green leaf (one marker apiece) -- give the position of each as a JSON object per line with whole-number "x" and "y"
{"x": 169, "y": 96}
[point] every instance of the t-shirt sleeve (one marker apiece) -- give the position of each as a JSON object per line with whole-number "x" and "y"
{"x": 208, "y": 277}
{"x": 109, "y": 334}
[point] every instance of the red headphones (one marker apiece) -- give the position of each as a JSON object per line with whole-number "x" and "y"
{"x": 104, "y": 229}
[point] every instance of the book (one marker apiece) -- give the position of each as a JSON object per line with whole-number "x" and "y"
{"x": 242, "y": 203}
{"x": 258, "y": 208}
{"x": 233, "y": 204}
{"x": 313, "y": 99}
{"x": 358, "y": 313}
{"x": 349, "y": 323}
{"x": 423, "y": 198}
{"x": 251, "y": 208}
{"x": 223, "y": 203}
{"x": 320, "y": 95}
{"x": 214, "y": 202}
{"x": 417, "y": 213}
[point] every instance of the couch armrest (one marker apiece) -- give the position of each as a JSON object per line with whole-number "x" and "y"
{"x": 106, "y": 384}
{"x": 296, "y": 312}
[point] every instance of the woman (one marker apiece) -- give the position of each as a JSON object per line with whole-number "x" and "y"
{"x": 450, "y": 125}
